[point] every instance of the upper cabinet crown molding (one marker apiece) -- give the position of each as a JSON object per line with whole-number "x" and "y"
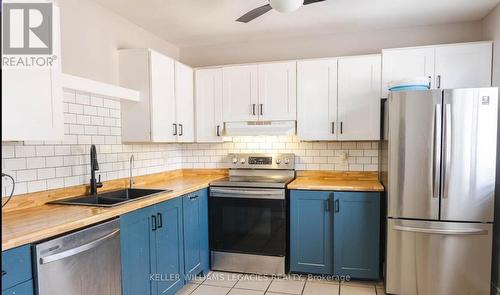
{"x": 155, "y": 118}
{"x": 459, "y": 65}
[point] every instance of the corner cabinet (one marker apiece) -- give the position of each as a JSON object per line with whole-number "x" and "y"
{"x": 447, "y": 66}
{"x": 208, "y": 105}
{"x": 339, "y": 99}
{"x": 165, "y": 112}
{"x": 165, "y": 245}
{"x": 196, "y": 253}
{"x": 335, "y": 233}
{"x": 259, "y": 92}
{"x": 32, "y": 98}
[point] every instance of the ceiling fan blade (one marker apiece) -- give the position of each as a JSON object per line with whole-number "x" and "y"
{"x": 312, "y": 1}
{"x": 252, "y": 14}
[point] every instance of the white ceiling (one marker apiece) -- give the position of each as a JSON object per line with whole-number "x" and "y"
{"x": 202, "y": 22}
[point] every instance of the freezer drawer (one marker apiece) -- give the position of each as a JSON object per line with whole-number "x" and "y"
{"x": 431, "y": 258}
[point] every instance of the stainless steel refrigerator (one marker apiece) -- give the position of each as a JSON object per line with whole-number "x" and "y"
{"x": 440, "y": 181}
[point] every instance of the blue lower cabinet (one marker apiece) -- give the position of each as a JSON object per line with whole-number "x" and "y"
{"x": 169, "y": 247}
{"x": 137, "y": 240}
{"x": 25, "y": 288}
{"x": 356, "y": 234}
{"x": 311, "y": 232}
{"x": 16, "y": 266}
{"x": 195, "y": 216}
{"x": 335, "y": 233}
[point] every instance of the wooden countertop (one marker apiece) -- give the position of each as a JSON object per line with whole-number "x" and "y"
{"x": 26, "y": 220}
{"x": 337, "y": 181}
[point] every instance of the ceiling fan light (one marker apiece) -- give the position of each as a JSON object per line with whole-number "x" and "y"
{"x": 286, "y": 5}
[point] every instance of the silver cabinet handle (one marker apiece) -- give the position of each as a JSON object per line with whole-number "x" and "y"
{"x": 333, "y": 127}
{"x": 217, "y": 130}
{"x": 441, "y": 231}
{"x": 328, "y": 205}
{"x": 436, "y": 152}
{"x": 446, "y": 151}
{"x": 181, "y": 131}
{"x": 430, "y": 82}
{"x": 341, "y": 127}
{"x": 261, "y": 109}
{"x": 253, "y": 109}
{"x": 438, "y": 81}
{"x": 79, "y": 249}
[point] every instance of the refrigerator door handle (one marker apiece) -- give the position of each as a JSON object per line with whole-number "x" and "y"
{"x": 476, "y": 231}
{"x": 436, "y": 153}
{"x": 446, "y": 150}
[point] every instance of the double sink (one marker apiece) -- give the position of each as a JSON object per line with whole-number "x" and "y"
{"x": 111, "y": 199}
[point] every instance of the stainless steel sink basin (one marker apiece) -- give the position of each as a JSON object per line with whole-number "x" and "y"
{"x": 111, "y": 199}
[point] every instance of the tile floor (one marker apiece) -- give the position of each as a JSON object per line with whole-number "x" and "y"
{"x": 222, "y": 283}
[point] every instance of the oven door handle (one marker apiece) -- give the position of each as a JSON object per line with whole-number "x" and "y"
{"x": 249, "y": 194}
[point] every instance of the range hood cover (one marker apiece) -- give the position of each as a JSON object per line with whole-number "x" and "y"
{"x": 260, "y": 128}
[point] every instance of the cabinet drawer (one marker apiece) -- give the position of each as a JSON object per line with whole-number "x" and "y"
{"x": 16, "y": 266}
{"x": 25, "y": 288}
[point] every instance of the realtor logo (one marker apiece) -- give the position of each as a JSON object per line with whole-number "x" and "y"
{"x": 27, "y": 28}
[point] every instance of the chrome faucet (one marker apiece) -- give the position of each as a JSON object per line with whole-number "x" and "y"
{"x": 94, "y": 166}
{"x": 131, "y": 166}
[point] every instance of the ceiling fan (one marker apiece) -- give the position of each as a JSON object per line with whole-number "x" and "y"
{"x": 279, "y": 5}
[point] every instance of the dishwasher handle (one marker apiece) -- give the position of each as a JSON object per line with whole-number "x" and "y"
{"x": 79, "y": 249}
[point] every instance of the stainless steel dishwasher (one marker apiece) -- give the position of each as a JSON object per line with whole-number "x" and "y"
{"x": 81, "y": 263}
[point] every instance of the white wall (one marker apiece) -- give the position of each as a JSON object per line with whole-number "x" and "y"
{"x": 91, "y": 35}
{"x": 491, "y": 31}
{"x": 330, "y": 45}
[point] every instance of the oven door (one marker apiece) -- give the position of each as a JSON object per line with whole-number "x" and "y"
{"x": 248, "y": 221}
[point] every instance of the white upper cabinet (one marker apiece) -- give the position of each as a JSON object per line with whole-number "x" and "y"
{"x": 240, "y": 93}
{"x": 359, "y": 102}
{"x": 151, "y": 119}
{"x": 184, "y": 102}
{"x": 166, "y": 98}
{"x": 459, "y": 65}
{"x": 208, "y": 105}
{"x": 464, "y": 65}
{"x": 32, "y": 105}
{"x": 400, "y": 64}
{"x": 277, "y": 91}
{"x": 317, "y": 99}
{"x": 264, "y": 92}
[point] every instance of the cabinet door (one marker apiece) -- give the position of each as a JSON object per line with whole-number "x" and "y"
{"x": 317, "y": 99}
{"x": 163, "y": 120}
{"x": 137, "y": 251}
{"x": 209, "y": 105}
{"x": 277, "y": 91}
{"x": 464, "y": 65}
{"x": 32, "y": 104}
{"x": 239, "y": 94}
{"x": 404, "y": 63}
{"x": 356, "y": 234}
{"x": 195, "y": 216}
{"x": 25, "y": 288}
{"x": 311, "y": 232}
{"x": 184, "y": 101}
{"x": 359, "y": 98}
{"x": 169, "y": 247}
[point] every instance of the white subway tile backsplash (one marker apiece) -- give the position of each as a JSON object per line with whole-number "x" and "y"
{"x": 96, "y": 120}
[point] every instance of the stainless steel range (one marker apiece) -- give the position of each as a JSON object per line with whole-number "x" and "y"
{"x": 248, "y": 214}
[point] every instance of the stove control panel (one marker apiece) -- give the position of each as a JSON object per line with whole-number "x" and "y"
{"x": 262, "y": 161}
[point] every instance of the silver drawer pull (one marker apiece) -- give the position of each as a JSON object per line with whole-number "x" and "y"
{"x": 442, "y": 231}
{"x": 79, "y": 249}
